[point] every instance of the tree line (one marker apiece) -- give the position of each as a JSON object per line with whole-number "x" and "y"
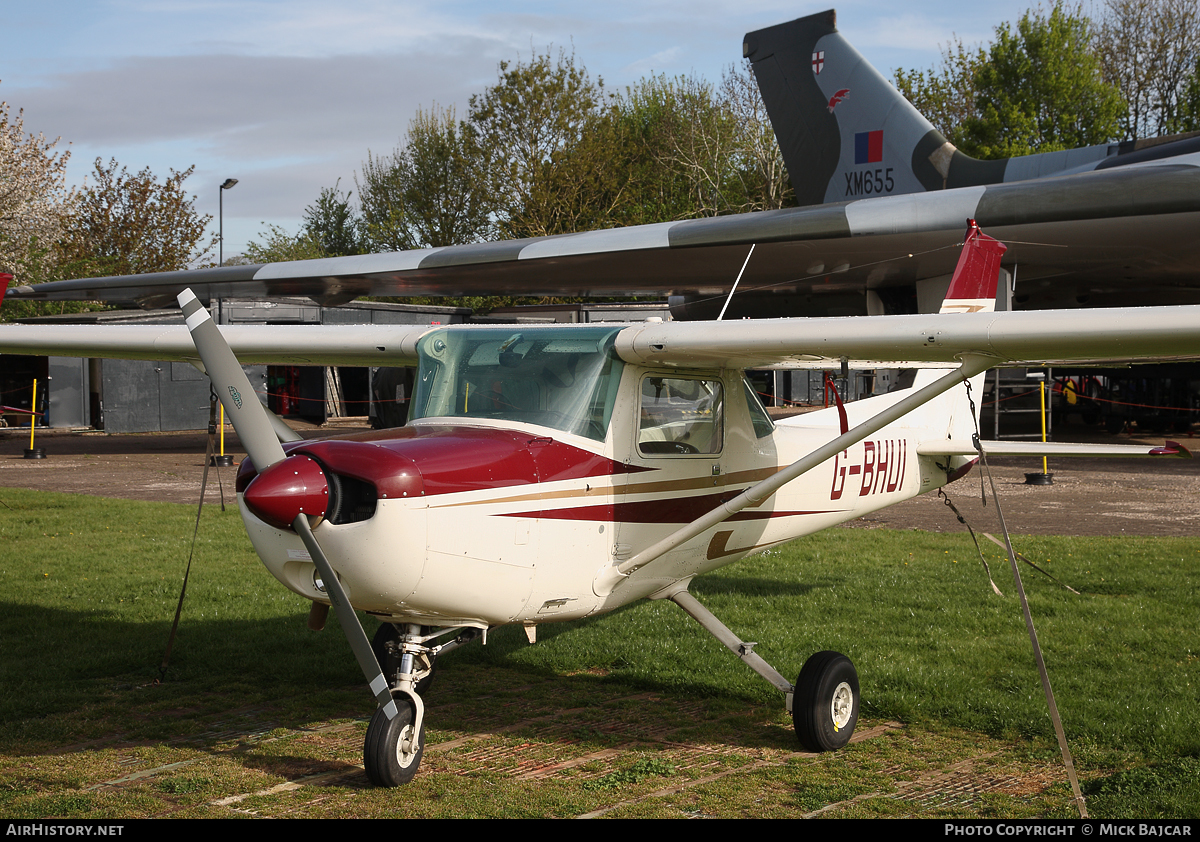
{"x": 548, "y": 150}
{"x": 1060, "y": 80}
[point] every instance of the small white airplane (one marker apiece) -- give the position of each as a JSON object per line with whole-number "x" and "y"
{"x": 559, "y": 472}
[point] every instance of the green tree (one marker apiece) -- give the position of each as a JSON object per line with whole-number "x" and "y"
{"x": 279, "y": 246}
{"x": 333, "y": 225}
{"x": 33, "y": 199}
{"x": 430, "y": 191}
{"x": 1189, "y": 103}
{"x": 1041, "y": 89}
{"x": 945, "y": 94}
{"x": 691, "y": 149}
{"x": 533, "y": 132}
{"x": 331, "y": 228}
{"x": 1149, "y": 50}
{"x": 690, "y": 140}
{"x": 123, "y": 224}
{"x": 645, "y": 120}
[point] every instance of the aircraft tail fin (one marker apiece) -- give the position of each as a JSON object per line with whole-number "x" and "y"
{"x": 846, "y": 133}
{"x": 972, "y": 290}
{"x": 844, "y": 130}
{"x": 976, "y": 277}
{"x": 5, "y": 280}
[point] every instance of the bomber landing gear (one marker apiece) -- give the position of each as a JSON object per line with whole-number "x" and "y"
{"x": 824, "y": 700}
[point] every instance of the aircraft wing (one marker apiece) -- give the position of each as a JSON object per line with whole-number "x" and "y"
{"x": 1117, "y": 335}
{"x": 357, "y": 345}
{"x": 1117, "y": 236}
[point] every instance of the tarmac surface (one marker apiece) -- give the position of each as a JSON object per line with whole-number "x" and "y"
{"x": 1090, "y": 496}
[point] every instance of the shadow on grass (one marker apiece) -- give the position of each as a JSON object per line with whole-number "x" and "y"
{"x": 77, "y": 677}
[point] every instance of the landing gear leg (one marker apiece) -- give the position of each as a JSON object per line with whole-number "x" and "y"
{"x": 824, "y": 700}
{"x": 388, "y": 651}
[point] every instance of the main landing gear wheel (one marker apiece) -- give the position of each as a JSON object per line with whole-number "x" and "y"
{"x": 825, "y": 703}
{"x": 393, "y": 748}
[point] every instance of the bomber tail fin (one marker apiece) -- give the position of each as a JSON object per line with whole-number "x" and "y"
{"x": 846, "y": 133}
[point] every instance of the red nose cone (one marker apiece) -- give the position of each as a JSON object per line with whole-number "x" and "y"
{"x": 297, "y": 485}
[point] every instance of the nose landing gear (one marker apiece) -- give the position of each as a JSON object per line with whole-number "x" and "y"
{"x": 394, "y": 745}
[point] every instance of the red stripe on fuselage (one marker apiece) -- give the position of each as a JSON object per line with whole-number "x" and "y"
{"x": 661, "y": 510}
{"x": 450, "y": 459}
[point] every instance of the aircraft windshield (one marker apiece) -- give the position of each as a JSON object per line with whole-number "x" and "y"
{"x": 564, "y": 378}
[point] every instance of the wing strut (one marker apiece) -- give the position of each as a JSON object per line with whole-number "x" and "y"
{"x": 972, "y": 364}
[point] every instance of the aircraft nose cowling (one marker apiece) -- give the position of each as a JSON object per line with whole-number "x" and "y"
{"x": 297, "y": 485}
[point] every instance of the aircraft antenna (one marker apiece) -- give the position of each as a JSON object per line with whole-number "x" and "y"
{"x": 735, "y": 283}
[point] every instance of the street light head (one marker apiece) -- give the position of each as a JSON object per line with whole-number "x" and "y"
{"x": 229, "y": 182}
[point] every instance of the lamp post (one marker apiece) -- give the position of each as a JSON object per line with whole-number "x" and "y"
{"x": 228, "y": 183}
{"x": 222, "y": 460}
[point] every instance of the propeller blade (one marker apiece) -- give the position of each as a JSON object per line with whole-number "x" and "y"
{"x": 348, "y": 619}
{"x": 282, "y": 431}
{"x": 259, "y": 435}
{"x": 242, "y": 406}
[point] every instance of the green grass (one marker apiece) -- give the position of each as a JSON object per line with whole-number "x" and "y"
{"x": 90, "y": 586}
{"x": 930, "y": 640}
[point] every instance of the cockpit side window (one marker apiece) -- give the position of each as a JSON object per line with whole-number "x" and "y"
{"x": 680, "y": 416}
{"x": 763, "y": 425}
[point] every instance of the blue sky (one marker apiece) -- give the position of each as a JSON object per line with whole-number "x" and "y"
{"x": 288, "y": 97}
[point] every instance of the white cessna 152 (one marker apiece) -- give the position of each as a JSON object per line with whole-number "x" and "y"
{"x": 554, "y": 473}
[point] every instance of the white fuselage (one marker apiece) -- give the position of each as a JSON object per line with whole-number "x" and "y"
{"x": 517, "y": 522}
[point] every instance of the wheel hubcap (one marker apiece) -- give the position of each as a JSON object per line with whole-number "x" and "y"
{"x": 406, "y": 747}
{"x": 842, "y": 706}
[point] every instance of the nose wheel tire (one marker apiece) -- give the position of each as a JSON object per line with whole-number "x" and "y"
{"x": 825, "y": 702}
{"x": 393, "y": 748}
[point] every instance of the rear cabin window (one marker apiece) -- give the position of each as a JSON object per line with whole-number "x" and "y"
{"x": 763, "y": 425}
{"x": 680, "y": 416}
